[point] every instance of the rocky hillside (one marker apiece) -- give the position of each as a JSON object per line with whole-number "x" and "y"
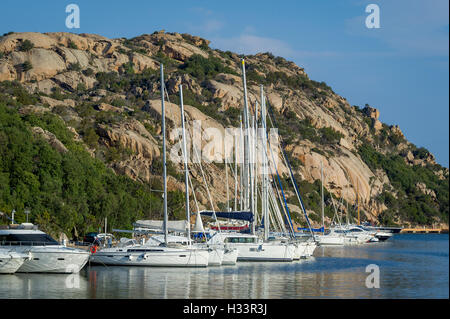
{"x": 104, "y": 94}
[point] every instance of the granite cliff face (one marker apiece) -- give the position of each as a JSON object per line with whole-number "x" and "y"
{"x": 107, "y": 93}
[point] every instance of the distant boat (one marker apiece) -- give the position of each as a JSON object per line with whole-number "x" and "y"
{"x": 331, "y": 238}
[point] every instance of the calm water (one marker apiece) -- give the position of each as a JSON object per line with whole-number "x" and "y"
{"x": 411, "y": 266}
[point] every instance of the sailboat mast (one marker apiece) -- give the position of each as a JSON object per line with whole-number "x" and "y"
{"x": 236, "y": 148}
{"x": 226, "y": 181}
{"x": 246, "y": 142}
{"x": 186, "y": 172}
{"x": 241, "y": 170}
{"x": 264, "y": 201}
{"x": 322, "y": 201}
{"x": 357, "y": 200}
{"x": 163, "y": 128}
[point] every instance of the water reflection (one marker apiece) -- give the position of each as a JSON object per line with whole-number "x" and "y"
{"x": 246, "y": 280}
{"x": 43, "y": 286}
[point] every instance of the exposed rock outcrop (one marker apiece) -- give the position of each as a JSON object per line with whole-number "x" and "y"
{"x": 50, "y": 138}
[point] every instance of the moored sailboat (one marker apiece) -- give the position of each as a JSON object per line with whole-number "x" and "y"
{"x": 167, "y": 253}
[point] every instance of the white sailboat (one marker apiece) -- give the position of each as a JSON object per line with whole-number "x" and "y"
{"x": 251, "y": 247}
{"x": 169, "y": 252}
{"x": 304, "y": 244}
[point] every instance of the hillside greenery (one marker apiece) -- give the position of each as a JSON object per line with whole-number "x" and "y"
{"x": 409, "y": 204}
{"x": 69, "y": 192}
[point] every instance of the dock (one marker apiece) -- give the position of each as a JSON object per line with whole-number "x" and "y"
{"x": 424, "y": 231}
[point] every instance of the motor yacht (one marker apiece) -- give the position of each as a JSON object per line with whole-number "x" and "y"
{"x": 45, "y": 253}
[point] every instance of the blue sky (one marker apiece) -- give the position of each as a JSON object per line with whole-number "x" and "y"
{"x": 402, "y": 68}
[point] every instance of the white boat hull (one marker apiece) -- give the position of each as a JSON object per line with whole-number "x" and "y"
{"x": 215, "y": 256}
{"x": 48, "y": 259}
{"x": 167, "y": 257}
{"x": 330, "y": 240}
{"x": 310, "y": 248}
{"x": 264, "y": 252}
{"x": 300, "y": 250}
{"x": 10, "y": 262}
{"x": 230, "y": 256}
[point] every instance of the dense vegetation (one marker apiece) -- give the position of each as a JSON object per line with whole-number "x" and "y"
{"x": 70, "y": 192}
{"x": 409, "y": 203}
{"x": 203, "y": 68}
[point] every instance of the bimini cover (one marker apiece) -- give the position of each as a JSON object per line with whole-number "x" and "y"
{"x": 172, "y": 225}
{"x": 317, "y": 230}
{"x": 230, "y": 215}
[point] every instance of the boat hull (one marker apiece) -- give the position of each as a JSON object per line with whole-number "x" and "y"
{"x": 9, "y": 264}
{"x": 152, "y": 258}
{"x": 215, "y": 256}
{"x": 230, "y": 256}
{"x": 54, "y": 261}
{"x": 327, "y": 240}
{"x": 310, "y": 248}
{"x": 382, "y": 236}
{"x": 264, "y": 252}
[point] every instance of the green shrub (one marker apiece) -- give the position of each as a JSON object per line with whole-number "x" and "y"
{"x": 15, "y": 89}
{"x": 26, "y": 66}
{"x": 74, "y": 67}
{"x": 88, "y": 72}
{"x": 329, "y": 135}
{"x": 72, "y": 45}
{"x": 205, "y": 68}
{"x": 90, "y": 137}
{"x": 127, "y": 68}
{"x": 26, "y": 46}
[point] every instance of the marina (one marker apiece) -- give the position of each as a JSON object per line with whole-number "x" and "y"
{"x": 411, "y": 266}
{"x": 258, "y": 246}
{"x": 266, "y": 184}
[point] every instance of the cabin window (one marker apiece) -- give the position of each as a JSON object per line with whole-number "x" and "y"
{"x": 27, "y": 240}
{"x": 240, "y": 240}
{"x": 143, "y": 250}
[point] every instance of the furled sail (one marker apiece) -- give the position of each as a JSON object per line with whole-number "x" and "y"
{"x": 198, "y": 227}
